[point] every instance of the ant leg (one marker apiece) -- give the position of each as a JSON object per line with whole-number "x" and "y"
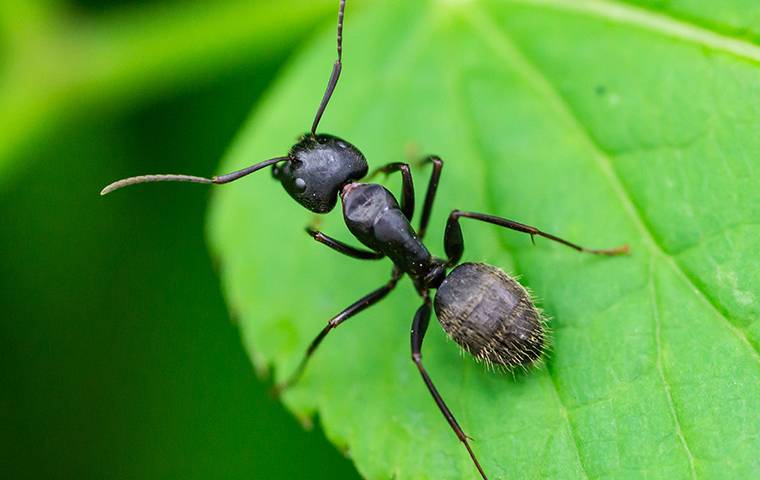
{"x": 353, "y": 309}
{"x": 427, "y": 207}
{"x": 335, "y": 75}
{"x": 343, "y": 248}
{"x": 454, "y": 242}
{"x": 407, "y": 186}
{"x": 419, "y": 328}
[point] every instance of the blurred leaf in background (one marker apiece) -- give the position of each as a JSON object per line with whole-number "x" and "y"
{"x": 600, "y": 121}
{"x": 66, "y": 59}
{"x": 119, "y": 358}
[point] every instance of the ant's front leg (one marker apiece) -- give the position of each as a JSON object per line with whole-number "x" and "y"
{"x": 407, "y": 186}
{"x": 343, "y": 248}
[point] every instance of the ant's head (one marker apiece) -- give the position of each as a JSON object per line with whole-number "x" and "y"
{"x": 317, "y": 168}
{"x": 313, "y": 172}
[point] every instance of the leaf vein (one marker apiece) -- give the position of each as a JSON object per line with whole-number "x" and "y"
{"x": 721, "y": 232}
{"x": 661, "y": 371}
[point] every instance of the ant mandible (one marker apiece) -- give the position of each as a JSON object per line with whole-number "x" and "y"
{"x": 487, "y": 312}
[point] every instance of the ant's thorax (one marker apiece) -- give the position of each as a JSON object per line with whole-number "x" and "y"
{"x": 373, "y": 215}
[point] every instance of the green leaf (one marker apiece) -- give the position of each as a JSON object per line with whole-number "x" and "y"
{"x": 598, "y": 121}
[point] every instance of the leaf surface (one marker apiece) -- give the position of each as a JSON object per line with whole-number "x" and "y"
{"x": 605, "y": 123}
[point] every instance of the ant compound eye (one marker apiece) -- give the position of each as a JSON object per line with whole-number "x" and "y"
{"x": 300, "y": 184}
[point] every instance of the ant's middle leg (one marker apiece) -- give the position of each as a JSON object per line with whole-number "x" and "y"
{"x": 356, "y": 307}
{"x": 454, "y": 242}
{"x": 407, "y": 186}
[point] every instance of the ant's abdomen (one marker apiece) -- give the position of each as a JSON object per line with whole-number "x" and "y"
{"x": 490, "y": 315}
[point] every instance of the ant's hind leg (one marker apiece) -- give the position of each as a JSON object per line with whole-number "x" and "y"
{"x": 454, "y": 242}
{"x": 419, "y": 328}
{"x": 356, "y": 307}
{"x": 343, "y": 248}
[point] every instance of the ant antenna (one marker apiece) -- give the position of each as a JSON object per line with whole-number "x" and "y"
{"x": 335, "y": 75}
{"x": 222, "y": 179}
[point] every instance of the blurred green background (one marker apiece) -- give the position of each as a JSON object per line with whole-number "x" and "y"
{"x": 119, "y": 358}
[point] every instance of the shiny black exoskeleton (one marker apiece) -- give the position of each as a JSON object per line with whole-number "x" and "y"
{"x": 487, "y": 312}
{"x": 375, "y": 218}
{"x": 316, "y": 169}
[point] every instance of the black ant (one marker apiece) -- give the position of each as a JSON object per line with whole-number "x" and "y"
{"x": 487, "y": 312}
